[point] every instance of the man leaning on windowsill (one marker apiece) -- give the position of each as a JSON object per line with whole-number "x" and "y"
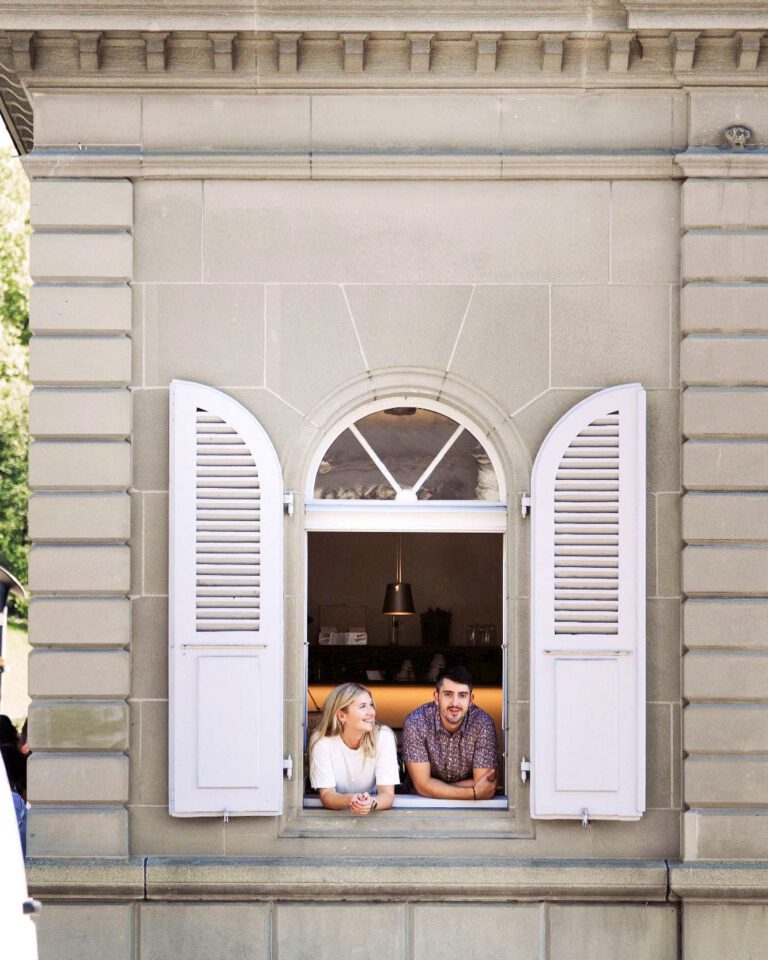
{"x": 449, "y": 745}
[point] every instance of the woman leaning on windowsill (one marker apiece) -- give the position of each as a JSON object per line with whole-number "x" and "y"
{"x": 353, "y": 759}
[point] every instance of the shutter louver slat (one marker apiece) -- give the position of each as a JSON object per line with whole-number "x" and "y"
{"x": 227, "y": 494}
{"x": 582, "y": 511}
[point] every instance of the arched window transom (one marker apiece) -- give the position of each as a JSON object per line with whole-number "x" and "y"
{"x": 406, "y": 454}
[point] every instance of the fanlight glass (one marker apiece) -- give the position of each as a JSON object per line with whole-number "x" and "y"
{"x": 406, "y": 454}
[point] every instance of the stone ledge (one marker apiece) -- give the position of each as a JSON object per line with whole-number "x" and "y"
{"x": 425, "y": 879}
{"x": 719, "y": 881}
{"x": 75, "y": 879}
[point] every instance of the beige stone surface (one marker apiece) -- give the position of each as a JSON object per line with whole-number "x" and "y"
{"x": 721, "y": 255}
{"x": 438, "y": 232}
{"x": 725, "y": 203}
{"x": 326, "y": 931}
{"x": 711, "y": 111}
{"x": 66, "y": 673}
{"x": 94, "y": 308}
{"x": 726, "y": 728}
{"x": 715, "y": 930}
{"x": 496, "y": 927}
{"x": 74, "y": 465}
{"x": 659, "y": 727}
{"x": 77, "y": 832}
{"x": 663, "y": 453}
{"x": 150, "y": 438}
{"x": 394, "y": 123}
{"x": 594, "y": 932}
{"x": 137, "y": 544}
{"x": 228, "y": 122}
{"x": 79, "y": 621}
{"x": 708, "y": 465}
{"x": 663, "y": 646}
{"x": 59, "y": 412}
{"x": 150, "y": 761}
{"x": 79, "y": 516}
{"x": 74, "y": 725}
{"x": 668, "y": 544}
{"x": 168, "y": 230}
{"x": 205, "y": 931}
{"x": 402, "y": 326}
{"x": 80, "y": 360}
{"x": 723, "y": 570}
{"x": 77, "y": 931}
{"x": 726, "y": 781}
{"x": 725, "y": 835}
{"x": 311, "y": 343}
{"x": 589, "y": 120}
{"x": 651, "y": 566}
{"x": 726, "y": 623}
{"x": 726, "y": 516}
{"x": 155, "y": 833}
{"x": 79, "y": 569}
{"x": 77, "y": 778}
{"x": 81, "y": 256}
{"x": 149, "y": 648}
{"x": 603, "y": 335}
{"x": 155, "y": 543}
{"x": 645, "y": 225}
{"x": 727, "y": 308}
{"x": 725, "y": 413}
{"x": 503, "y": 347}
{"x": 727, "y": 676}
{"x": 221, "y": 329}
{"x": 104, "y": 204}
{"x": 725, "y": 361}
{"x": 104, "y": 119}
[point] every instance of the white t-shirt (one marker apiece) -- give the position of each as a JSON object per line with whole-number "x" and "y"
{"x": 334, "y": 764}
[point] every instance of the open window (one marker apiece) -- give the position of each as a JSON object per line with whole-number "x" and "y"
{"x": 414, "y": 490}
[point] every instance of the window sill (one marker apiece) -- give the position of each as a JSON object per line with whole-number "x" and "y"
{"x": 411, "y": 801}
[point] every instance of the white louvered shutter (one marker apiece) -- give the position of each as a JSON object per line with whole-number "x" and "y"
{"x": 588, "y": 611}
{"x": 225, "y": 609}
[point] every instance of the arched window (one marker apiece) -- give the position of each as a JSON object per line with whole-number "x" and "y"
{"x": 406, "y": 489}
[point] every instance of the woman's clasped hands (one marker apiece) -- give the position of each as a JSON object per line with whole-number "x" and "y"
{"x": 362, "y": 804}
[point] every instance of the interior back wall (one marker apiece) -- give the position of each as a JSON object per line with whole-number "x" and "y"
{"x": 457, "y": 572}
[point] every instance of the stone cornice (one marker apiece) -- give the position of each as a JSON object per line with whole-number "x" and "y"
{"x": 723, "y": 164}
{"x": 696, "y": 14}
{"x": 47, "y": 60}
{"x": 426, "y": 165}
{"x": 384, "y": 15}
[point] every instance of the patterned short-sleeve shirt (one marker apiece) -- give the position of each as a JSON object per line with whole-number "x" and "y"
{"x": 451, "y": 756}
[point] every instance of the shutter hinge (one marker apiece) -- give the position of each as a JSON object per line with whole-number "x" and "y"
{"x": 525, "y": 504}
{"x": 226, "y": 815}
{"x": 525, "y": 769}
{"x": 584, "y": 817}
{"x": 288, "y": 767}
{"x": 288, "y": 502}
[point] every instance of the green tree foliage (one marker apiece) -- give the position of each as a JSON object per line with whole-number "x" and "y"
{"x": 14, "y": 384}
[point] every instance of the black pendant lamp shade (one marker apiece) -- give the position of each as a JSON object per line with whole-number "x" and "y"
{"x": 398, "y": 600}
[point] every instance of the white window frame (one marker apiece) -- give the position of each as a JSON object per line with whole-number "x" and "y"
{"x": 423, "y": 516}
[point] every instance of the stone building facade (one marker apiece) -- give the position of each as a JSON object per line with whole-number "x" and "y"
{"x": 312, "y": 207}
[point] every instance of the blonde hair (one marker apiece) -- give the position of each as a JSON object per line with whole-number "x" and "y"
{"x": 337, "y": 701}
